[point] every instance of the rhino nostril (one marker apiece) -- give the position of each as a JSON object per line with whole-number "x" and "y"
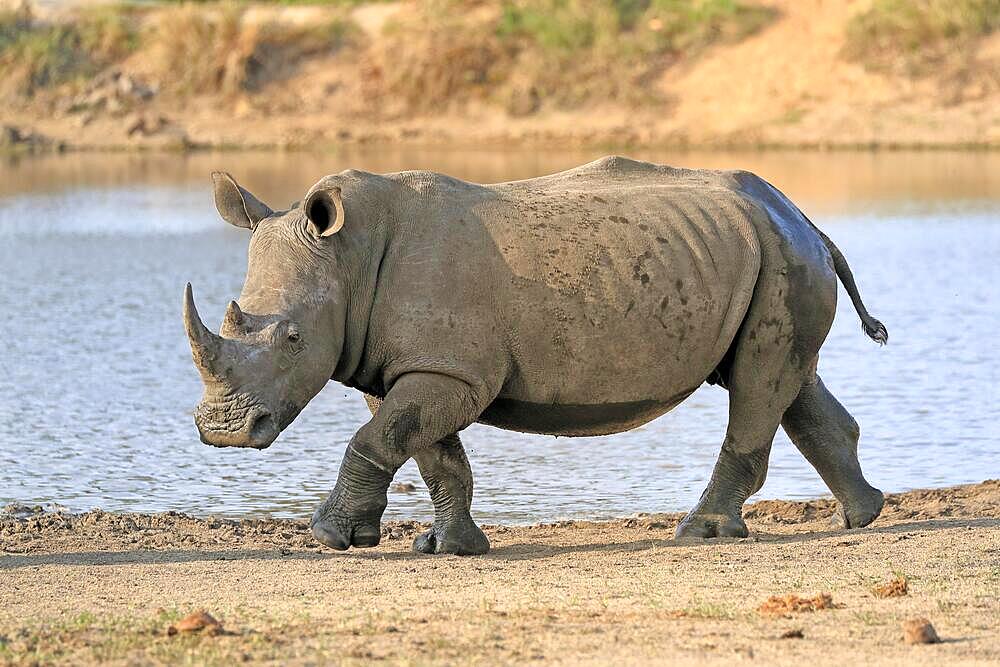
{"x": 262, "y": 427}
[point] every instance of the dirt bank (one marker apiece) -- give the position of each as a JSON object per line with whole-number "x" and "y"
{"x": 104, "y": 587}
{"x": 711, "y": 73}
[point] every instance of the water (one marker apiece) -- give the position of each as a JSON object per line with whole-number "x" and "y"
{"x": 97, "y": 385}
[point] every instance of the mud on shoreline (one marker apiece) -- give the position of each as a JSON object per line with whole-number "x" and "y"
{"x": 103, "y": 588}
{"x": 28, "y": 529}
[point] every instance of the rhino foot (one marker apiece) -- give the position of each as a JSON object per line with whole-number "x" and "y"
{"x": 342, "y": 534}
{"x": 712, "y": 525}
{"x": 861, "y": 512}
{"x": 459, "y": 538}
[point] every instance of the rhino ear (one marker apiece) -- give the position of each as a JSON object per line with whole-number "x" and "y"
{"x": 237, "y": 206}
{"x": 324, "y": 209}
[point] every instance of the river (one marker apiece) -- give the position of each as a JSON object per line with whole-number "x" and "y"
{"x": 97, "y": 384}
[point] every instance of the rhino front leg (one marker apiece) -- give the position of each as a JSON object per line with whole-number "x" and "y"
{"x": 445, "y": 470}
{"x": 419, "y": 410}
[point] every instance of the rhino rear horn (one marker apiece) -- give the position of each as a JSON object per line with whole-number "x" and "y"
{"x": 234, "y": 316}
{"x": 237, "y": 206}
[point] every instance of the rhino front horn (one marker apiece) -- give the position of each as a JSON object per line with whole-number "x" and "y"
{"x": 205, "y": 345}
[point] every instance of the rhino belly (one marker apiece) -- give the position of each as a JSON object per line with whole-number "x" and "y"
{"x": 576, "y": 419}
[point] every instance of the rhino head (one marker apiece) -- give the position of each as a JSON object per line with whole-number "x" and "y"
{"x": 280, "y": 344}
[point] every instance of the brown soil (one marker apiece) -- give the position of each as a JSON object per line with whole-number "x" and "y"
{"x": 785, "y": 605}
{"x": 789, "y": 84}
{"x": 896, "y": 588}
{"x": 100, "y": 587}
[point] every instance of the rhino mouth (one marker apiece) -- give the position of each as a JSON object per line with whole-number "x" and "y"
{"x": 229, "y": 425}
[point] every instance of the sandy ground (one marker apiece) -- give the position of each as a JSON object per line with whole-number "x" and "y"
{"x": 104, "y": 587}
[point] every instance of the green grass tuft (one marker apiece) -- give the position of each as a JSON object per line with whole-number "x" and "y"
{"x": 649, "y": 26}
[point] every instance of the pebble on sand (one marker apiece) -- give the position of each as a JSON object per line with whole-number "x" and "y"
{"x": 196, "y": 622}
{"x": 919, "y": 631}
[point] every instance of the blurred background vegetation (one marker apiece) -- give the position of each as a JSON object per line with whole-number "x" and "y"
{"x": 517, "y": 58}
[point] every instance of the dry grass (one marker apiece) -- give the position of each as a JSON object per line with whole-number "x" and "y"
{"x": 36, "y": 55}
{"x": 439, "y": 55}
{"x": 919, "y": 37}
{"x": 524, "y": 54}
{"x": 196, "y": 50}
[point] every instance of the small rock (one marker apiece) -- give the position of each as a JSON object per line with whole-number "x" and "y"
{"x": 196, "y": 622}
{"x": 919, "y": 631}
{"x": 402, "y": 487}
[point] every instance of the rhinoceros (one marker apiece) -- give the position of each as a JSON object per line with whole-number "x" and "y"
{"x": 583, "y": 303}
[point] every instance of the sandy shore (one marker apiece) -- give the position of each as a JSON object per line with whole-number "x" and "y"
{"x": 99, "y": 587}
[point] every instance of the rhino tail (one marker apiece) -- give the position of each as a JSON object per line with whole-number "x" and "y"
{"x": 871, "y": 326}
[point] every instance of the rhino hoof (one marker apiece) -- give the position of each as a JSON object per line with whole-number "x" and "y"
{"x": 334, "y": 537}
{"x": 712, "y": 526}
{"x": 860, "y": 514}
{"x": 466, "y": 540}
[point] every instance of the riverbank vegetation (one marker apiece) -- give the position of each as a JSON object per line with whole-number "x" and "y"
{"x": 525, "y": 54}
{"x": 671, "y": 71}
{"x": 914, "y": 37}
{"x": 36, "y": 55}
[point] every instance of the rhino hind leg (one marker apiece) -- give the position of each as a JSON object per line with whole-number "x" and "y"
{"x": 757, "y": 401}
{"x": 445, "y": 470}
{"x": 774, "y": 352}
{"x": 827, "y": 436}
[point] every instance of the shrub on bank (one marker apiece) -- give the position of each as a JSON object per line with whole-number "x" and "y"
{"x": 36, "y": 55}
{"x": 522, "y": 53}
{"x": 913, "y": 36}
{"x": 519, "y": 55}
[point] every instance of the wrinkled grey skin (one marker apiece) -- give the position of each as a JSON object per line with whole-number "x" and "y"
{"x": 583, "y": 303}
